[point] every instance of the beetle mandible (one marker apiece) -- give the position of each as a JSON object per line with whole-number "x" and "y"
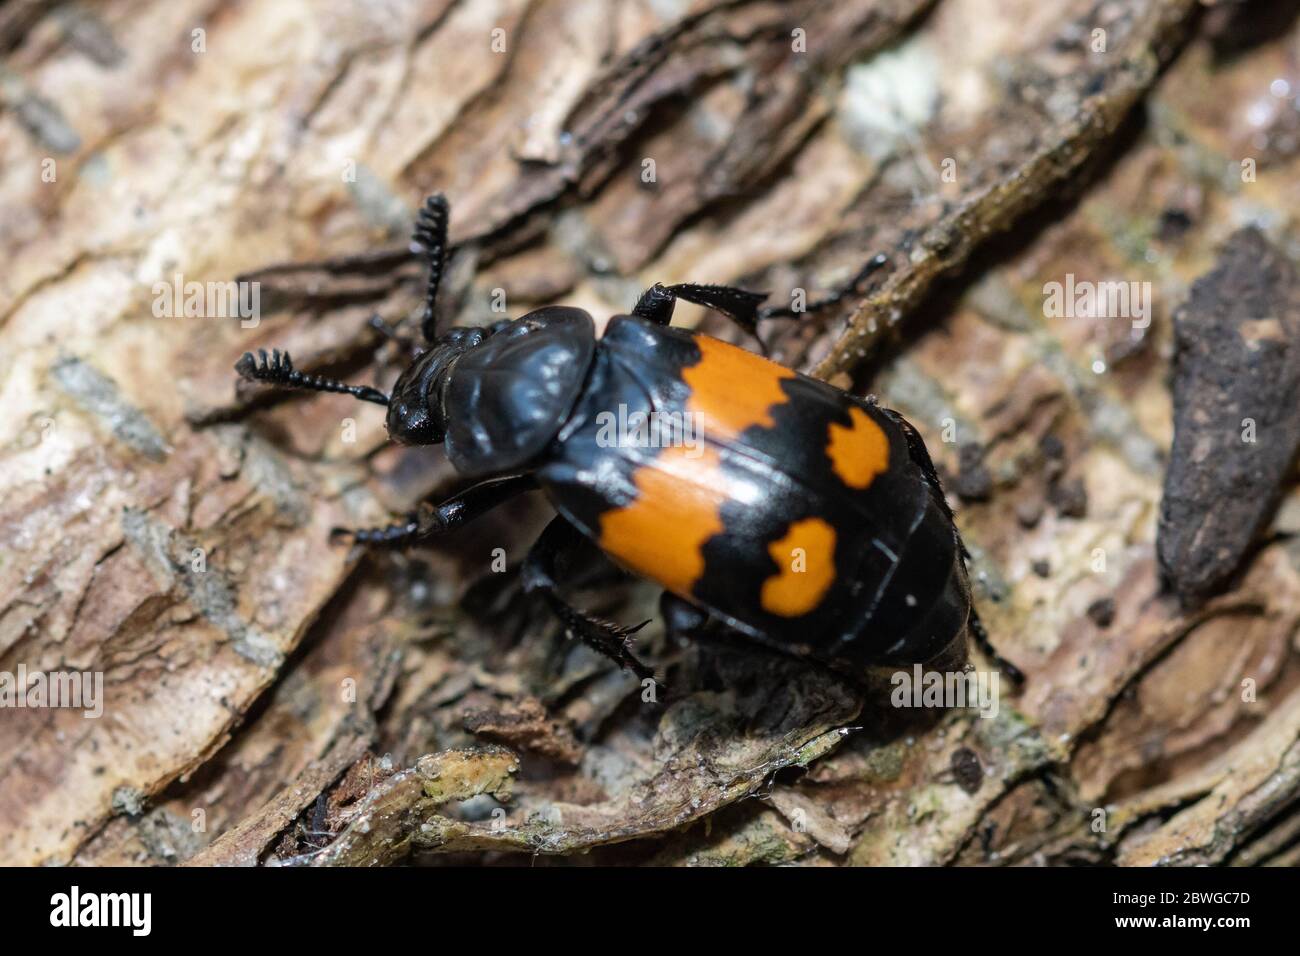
{"x": 798, "y": 515}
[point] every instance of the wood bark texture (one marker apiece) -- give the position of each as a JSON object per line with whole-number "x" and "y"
{"x": 270, "y": 697}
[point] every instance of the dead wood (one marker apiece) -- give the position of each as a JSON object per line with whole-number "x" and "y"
{"x": 270, "y": 698}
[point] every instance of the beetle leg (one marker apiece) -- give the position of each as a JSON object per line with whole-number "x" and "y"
{"x": 603, "y": 636}
{"x": 431, "y": 236}
{"x": 873, "y": 264}
{"x": 390, "y": 334}
{"x": 681, "y": 617}
{"x": 545, "y": 562}
{"x": 739, "y": 305}
{"x": 430, "y": 521}
{"x": 981, "y": 636}
{"x": 655, "y": 305}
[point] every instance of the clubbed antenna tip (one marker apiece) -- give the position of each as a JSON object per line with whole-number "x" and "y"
{"x": 277, "y": 369}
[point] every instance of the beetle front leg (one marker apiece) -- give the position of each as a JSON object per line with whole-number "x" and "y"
{"x": 429, "y": 521}
{"x": 546, "y": 562}
{"x": 403, "y": 340}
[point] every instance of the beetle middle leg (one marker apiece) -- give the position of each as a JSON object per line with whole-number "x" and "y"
{"x": 546, "y": 563}
{"x": 429, "y": 521}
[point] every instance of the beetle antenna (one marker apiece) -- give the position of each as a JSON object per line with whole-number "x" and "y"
{"x": 277, "y": 369}
{"x": 431, "y": 238}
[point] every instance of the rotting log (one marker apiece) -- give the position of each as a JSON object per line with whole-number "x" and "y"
{"x": 271, "y": 698}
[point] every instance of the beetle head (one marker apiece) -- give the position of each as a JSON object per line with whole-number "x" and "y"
{"x": 416, "y": 415}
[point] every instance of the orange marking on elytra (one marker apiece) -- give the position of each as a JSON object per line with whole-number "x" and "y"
{"x": 732, "y": 389}
{"x": 677, "y": 509}
{"x": 858, "y": 452}
{"x": 805, "y": 558}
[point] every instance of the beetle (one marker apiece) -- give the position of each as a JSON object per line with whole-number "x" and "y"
{"x": 788, "y": 510}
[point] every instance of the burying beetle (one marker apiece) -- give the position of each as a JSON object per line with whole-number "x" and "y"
{"x": 800, "y": 516}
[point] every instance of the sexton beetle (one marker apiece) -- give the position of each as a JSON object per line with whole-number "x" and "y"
{"x": 802, "y": 517}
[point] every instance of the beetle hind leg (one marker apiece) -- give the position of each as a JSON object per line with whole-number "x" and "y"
{"x": 921, "y": 457}
{"x": 739, "y": 305}
{"x": 545, "y": 563}
{"x": 872, "y": 265}
{"x": 655, "y": 305}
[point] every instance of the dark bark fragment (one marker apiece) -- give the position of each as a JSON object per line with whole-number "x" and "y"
{"x": 526, "y": 724}
{"x": 1236, "y": 417}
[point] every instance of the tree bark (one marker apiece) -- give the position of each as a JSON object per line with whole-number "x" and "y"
{"x": 268, "y": 696}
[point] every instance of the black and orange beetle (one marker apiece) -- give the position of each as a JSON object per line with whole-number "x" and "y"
{"x": 799, "y": 515}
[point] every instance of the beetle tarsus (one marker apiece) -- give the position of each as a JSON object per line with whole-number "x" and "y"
{"x": 546, "y": 561}
{"x": 602, "y": 636}
{"x": 394, "y": 535}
